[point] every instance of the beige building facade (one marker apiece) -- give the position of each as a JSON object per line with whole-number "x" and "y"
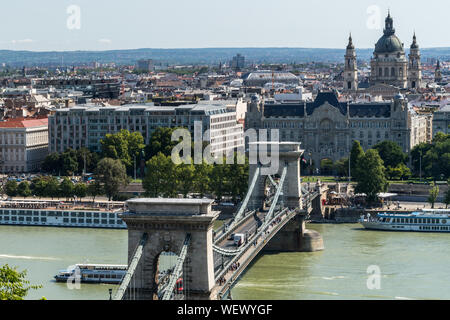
{"x": 23, "y": 145}
{"x": 327, "y": 127}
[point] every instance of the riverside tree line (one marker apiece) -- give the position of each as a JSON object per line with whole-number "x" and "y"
{"x": 122, "y": 155}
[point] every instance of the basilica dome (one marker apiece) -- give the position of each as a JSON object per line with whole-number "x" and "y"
{"x": 388, "y": 44}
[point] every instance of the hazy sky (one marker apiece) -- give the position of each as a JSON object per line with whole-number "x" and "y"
{"x": 130, "y": 24}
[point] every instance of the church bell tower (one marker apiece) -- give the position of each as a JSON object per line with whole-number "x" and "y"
{"x": 351, "y": 70}
{"x": 414, "y": 66}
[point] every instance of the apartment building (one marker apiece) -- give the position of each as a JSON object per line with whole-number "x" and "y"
{"x": 85, "y": 126}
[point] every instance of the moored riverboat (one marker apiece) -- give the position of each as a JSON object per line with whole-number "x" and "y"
{"x": 427, "y": 220}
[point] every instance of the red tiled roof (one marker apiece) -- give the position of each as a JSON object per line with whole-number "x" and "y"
{"x": 23, "y": 123}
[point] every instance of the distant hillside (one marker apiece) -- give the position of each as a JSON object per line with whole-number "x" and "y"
{"x": 193, "y": 56}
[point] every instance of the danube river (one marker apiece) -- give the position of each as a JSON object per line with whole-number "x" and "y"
{"x": 411, "y": 265}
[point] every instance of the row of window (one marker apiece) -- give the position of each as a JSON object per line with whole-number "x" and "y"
{"x": 414, "y": 220}
{"x": 58, "y": 213}
{"x": 65, "y": 220}
{"x": 103, "y": 276}
{"x": 439, "y": 228}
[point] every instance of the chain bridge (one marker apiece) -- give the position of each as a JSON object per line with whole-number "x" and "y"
{"x": 174, "y": 253}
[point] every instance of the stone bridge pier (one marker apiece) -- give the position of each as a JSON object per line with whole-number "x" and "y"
{"x": 167, "y": 222}
{"x": 294, "y": 237}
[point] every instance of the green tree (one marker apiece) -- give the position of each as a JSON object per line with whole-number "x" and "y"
{"x": 112, "y": 175}
{"x": 115, "y": 146}
{"x": 69, "y": 162}
{"x": 66, "y": 188}
{"x": 23, "y": 189}
{"x": 135, "y": 145}
{"x": 38, "y": 186}
{"x": 356, "y": 154}
{"x": 13, "y": 284}
{"x": 202, "y": 178}
{"x": 218, "y": 173}
{"x": 86, "y": 158}
{"x": 434, "y": 157}
{"x": 373, "y": 179}
{"x": 124, "y": 146}
{"x": 185, "y": 174}
{"x": 51, "y": 188}
{"x": 417, "y": 154}
{"x": 10, "y": 188}
{"x": 391, "y": 153}
{"x": 160, "y": 141}
{"x": 161, "y": 177}
{"x": 80, "y": 190}
{"x": 447, "y": 197}
{"x": 52, "y": 163}
{"x": 341, "y": 167}
{"x": 94, "y": 189}
{"x": 326, "y": 166}
{"x": 237, "y": 178}
{"x": 433, "y": 194}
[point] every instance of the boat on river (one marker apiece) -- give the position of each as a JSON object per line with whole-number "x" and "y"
{"x": 93, "y": 273}
{"x": 427, "y": 220}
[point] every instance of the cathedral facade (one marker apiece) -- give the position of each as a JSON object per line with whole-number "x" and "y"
{"x": 389, "y": 65}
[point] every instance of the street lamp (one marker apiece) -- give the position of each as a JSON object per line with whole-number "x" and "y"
{"x": 135, "y": 168}
{"x": 310, "y": 163}
{"x": 420, "y": 166}
{"x": 349, "y": 171}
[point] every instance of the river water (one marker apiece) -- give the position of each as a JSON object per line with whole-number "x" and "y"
{"x": 411, "y": 265}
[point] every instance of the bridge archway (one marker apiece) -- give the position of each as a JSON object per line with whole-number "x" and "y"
{"x": 289, "y": 154}
{"x": 167, "y": 222}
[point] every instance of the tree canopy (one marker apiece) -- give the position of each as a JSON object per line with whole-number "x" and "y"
{"x": 13, "y": 284}
{"x": 372, "y": 179}
{"x": 391, "y": 153}
{"x": 112, "y": 175}
{"x": 123, "y": 146}
{"x": 356, "y": 154}
{"x": 434, "y": 157}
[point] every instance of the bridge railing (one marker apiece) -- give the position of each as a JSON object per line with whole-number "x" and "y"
{"x": 259, "y": 236}
{"x": 248, "y": 245}
{"x": 277, "y": 196}
{"x": 126, "y": 281}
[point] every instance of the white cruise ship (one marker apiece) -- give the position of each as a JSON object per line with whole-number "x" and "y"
{"x": 93, "y": 273}
{"x": 427, "y": 220}
{"x": 45, "y": 214}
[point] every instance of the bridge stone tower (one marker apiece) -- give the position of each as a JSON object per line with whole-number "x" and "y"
{"x": 289, "y": 155}
{"x": 167, "y": 221}
{"x": 294, "y": 237}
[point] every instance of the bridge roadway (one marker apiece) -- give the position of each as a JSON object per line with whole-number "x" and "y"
{"x": 227, "y": 277}
{"x": 249, "y": 227}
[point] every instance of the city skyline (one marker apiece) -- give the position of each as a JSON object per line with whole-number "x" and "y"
{"x": 100, "y": 26}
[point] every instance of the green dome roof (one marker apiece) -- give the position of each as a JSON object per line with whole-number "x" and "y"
{"x": 388, "y": 44}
